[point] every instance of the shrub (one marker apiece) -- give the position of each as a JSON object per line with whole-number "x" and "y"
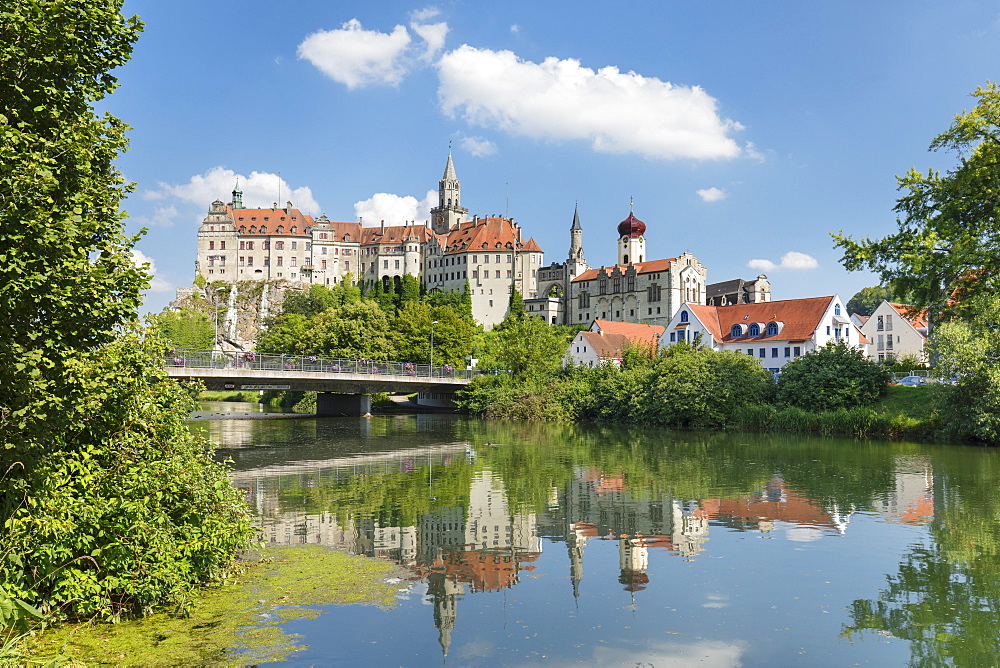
{"x": 835, "y": 376}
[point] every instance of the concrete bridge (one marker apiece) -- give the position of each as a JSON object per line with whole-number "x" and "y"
{"x": 344, "y": 386}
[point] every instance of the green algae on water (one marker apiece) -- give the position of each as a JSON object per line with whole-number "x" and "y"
{"x": 237, "y": 623}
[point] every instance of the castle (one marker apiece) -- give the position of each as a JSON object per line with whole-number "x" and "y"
{"x": 490, "y": 255}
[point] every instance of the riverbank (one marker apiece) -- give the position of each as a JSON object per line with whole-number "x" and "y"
{"x": 239, "y": 622}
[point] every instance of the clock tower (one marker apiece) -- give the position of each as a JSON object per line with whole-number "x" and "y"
{"x": 449, "y": 212}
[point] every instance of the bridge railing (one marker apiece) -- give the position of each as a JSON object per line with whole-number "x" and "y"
{"x": 214, "y": 359}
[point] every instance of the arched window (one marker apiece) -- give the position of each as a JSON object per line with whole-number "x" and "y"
{"x": 684, "y": 316}
{"x": 754, "y": 329}
{"x": 736, "y": 331}
{"x": 773, "y": 328}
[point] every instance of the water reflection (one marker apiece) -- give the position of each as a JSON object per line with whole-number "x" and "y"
{"x": 471, "y": 508}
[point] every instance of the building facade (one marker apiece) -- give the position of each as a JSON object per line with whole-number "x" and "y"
{"x": 490, "y": 255}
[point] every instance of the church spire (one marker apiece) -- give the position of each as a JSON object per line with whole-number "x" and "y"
{"x": 449, "y": 212}
{"x": 576, "y": 218}
{"x": 449, "y": 169}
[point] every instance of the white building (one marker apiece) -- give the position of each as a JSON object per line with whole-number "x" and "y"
{"x": 892, "y": 334}
{"x": 772, "y": 332}
{"x": 606, "y": 342}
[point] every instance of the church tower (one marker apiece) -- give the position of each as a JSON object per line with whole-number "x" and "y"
{"x": 575, "y": 263}
{"x": 449, "y": 212}
{"x": 237, "y": 196}
{"x": 631, "y": 240}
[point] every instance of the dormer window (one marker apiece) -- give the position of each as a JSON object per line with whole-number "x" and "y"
{"x": 737, "y": 331}
{"x": 754, "y": 329}
{"x": 281, "y": 229}
{"x": 294, "y": 229}
{"x": 684, "y": 316}
{"x": 263, "y": 229}
{"x": 774, "y": 327}
{"x": 243, "y": 229}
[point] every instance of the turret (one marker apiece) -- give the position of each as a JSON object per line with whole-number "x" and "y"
{"x": 449, "y": 212}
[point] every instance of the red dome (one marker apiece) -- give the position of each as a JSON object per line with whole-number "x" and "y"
{"x": 631, "y": 227}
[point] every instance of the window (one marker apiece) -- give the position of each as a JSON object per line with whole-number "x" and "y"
{"x": 498, "y": 258}
{"x": 250, "y": 261}
{"x": 774, "y": 352}
{"x": 267, "y": 262}
{"x": 242, "y": 260}
{"x": 796, "y": 351}
{"x": 222, "y": 245}
{"x": 788, "y": 352}
{"x": 295, "y": 261}
{"x": 754, "y": 329}
{"x": 249, "y": 245}
{"x": 491, "y": 303}
{"x": 509, "y": 273}
{"x": 684, "y": 316}
{"x": 295, "y": 245}
{"x": 243, "y": 245}
{"x": 397, "y": 264}
{"x": 486, "y": 259}
{"x": 279, "y": 245}
{"x": 736, "y": 331}
{"x": 828, "y": 330}
{"x": 475, "y": 273}
{"x": 888, "y": 323}
{"x": 630, "y": 283}
{"x": 475, "y": 259}
{"x": 772, "y": 328}
{"x": 508, "y": 258}
{"x": 750, "y": 352}
{"x": 673, "y": 337}
{"x": 323, "y": 252}
{"x": 385, "y": 264}
{"x": 653, "y": 293}
{"x": 211, "y": 245}
{"x": 836, "y": 309}
{"x": 881, "y": 324}
{"x": 763, "y": 353}
{"x": 498, "y": 273}
{"x": 616, "y": 283}
{"x": 602, "y": 286}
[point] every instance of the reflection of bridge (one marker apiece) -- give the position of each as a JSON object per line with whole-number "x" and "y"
{"x": 343, "y": 385}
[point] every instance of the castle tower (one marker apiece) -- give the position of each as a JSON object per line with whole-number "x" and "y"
{"x": 449, "y": 212}
{"x": 631, "y": 240}
{"x": 237, "y": 196}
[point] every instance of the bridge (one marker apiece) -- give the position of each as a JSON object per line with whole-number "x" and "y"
{"x": 343, "y": 386}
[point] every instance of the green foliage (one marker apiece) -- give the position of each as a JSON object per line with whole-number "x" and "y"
{"x": 122, "y": 508}
{"x": 318, "y": 298}
{"x": 108, "y": 503}
{"x": 411, "y": 334}
{"x": 199, "y": 280}
{"x": 945, "y": 251}
{"x": 186, "y": 328}
{"x": 835, "y": 376}
{"x": 969, "y": 351}
{"x": 866, "y": 300}
{"x": 515, "y": 305}
{"x": 357, "y": 331}
{"x": 285, "y": 335}
{"x": 524, "y": 345}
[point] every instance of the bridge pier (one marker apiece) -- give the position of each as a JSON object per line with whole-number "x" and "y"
{"x": 330, "y": 404}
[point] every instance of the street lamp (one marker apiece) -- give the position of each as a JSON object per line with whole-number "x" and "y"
{"x": 433, "y": 322}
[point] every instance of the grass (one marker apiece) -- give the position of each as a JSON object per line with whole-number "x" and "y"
{"x": 914, "y": 402}
{"x": 229, "y": 395}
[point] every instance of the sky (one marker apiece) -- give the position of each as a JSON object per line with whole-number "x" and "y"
{"x": 744, "y": 133}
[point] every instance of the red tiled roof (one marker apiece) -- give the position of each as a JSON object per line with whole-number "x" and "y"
{"x": 607, "y": 345}
{"x": 918, "y": 320}
{"x": 270, "y": 219}
{"x": 650, "y": 267}
{"x": 801, "y": 318}
{"x": 487, "y": 235}
{"x": 633, "y": 330}
{"x": 395, "y": 234}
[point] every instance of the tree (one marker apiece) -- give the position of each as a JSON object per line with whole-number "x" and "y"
{"x": 185, "y": 329}
{"x": 866, "y": 300}
{"x": 109, "y": 503}
{"x": 313, "y": 301}
{"x": 835, "y": 376}
{"x": 356, "y": 331}
{"x": 947, "y": 249}
{"x": 285, "y": 335}
{"x": 412, "y": 333}
{"x": 526, "y": 347}
{"x": 969, "y": 352}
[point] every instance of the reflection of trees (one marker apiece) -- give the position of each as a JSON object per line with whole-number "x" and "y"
{"x": 945, "y": 597}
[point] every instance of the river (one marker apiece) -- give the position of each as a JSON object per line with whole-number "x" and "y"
{"x": 532, "y": 543}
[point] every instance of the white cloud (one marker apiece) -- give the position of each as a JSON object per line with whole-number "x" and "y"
{"x": 260, "y": 189}
{"x": 561, "y": 100}
{"x": 712, "y": 194}
{"x": 157, "y": 284}
{"x": 163, "y": 216}
{"x": 433, "y": 35}
{"x": 790, "y": 260}
{"x": 357, "y": 57}
{"x": 515, "y": 28}
{"x": 395, "y": 209}
{"x": 478, "y": 146}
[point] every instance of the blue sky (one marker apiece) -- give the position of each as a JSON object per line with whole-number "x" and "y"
{"x": 744, "y": 132}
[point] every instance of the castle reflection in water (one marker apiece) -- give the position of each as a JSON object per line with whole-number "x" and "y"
{"x": 483, "y": 544}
